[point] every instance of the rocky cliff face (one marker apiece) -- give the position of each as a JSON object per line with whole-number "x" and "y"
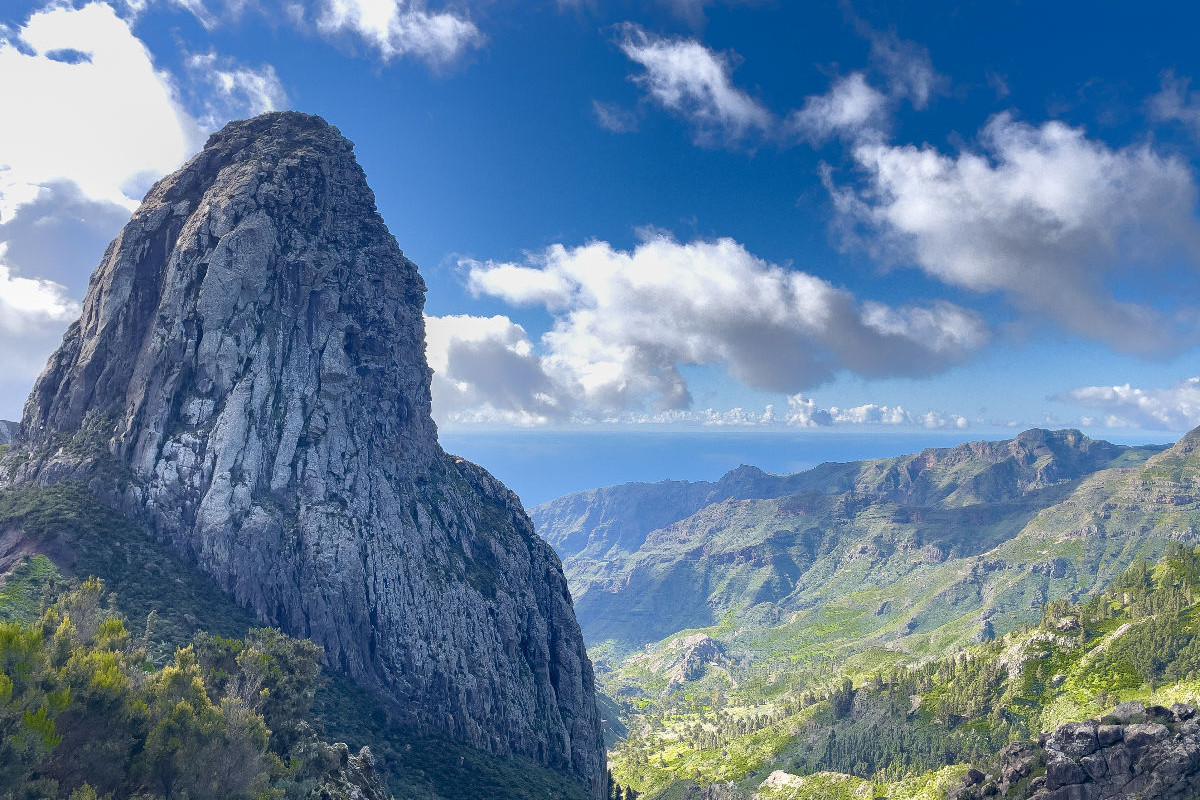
{"x": 1134, "y": 752}
{"x": 8, "y": 430}
{"x": 248, "y": 377}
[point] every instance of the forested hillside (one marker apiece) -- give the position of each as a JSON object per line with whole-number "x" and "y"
{"x": 902, "y": 730}
{"x": 119, "y": 656}
{"x": 879, "y": 628}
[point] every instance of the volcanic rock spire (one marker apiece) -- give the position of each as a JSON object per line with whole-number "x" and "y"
{"x": 248, "y": 377}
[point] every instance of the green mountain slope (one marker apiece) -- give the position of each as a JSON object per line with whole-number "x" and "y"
{"x": 915, "y": 553}
{"x": 53, "y": 536}
{"x": 913, "y": 730}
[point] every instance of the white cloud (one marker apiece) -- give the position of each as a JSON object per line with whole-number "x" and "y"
{"x": 42, "y": 141}
{"x": 614, "y": 118}
{"x": 907, "y": 67}
{"x": 803, "y": 412}
{"x": 229, "y": 90}
{"x": 398, "y": 28}
{"x": 687, "y": 78}
{"x": 1174, "y": 103}
{"x": 485, "y": 371}
{"x": 30, "y": 307}
{"x": 1045, "y": 215}
{"x": 1174, "y": 408}
{"x": 627, "y": 321}
{"x": 851, "y": 108}
{"x": 693, "y": 81}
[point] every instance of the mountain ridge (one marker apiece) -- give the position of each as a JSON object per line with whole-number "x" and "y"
{"x": 897, "y": 547}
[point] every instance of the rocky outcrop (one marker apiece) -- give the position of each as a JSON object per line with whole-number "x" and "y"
{"x": 8, "y": 430}
{"x": 248, "y": 377}
{"x": 334, "y": 774}
{"x": 1136, "y": 752}
{"x": 687, "y": 658}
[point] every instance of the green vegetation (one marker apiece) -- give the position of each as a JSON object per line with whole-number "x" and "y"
{"x": 169, "y": 606}
{"x": 25, "y": 587}
{"x": 67, "y": 524}
{"x": 431, "y": 767}
{"x": 83, "y": 713}
{"x": 910, "y": 730}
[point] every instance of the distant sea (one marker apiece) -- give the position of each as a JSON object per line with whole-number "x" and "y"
{"x": 542, "y": 465}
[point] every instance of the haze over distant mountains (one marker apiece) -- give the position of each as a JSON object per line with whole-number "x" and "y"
{"x": 918, "y": 552}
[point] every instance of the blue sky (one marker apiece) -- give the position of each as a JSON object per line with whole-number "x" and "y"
{"x": 679, "y": 215}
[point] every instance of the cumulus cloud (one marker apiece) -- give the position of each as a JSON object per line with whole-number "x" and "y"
{"x": 626, "y": 322}
{"x": 485, "y": 370}
{"x": 398, "y": 28}
{"x": 803, "y": 412}
{"x": 227, "y": 90}
{"x": 1175, "y": 407}
{"x": 851, "y": 108}
{"x": 688, "y": 79}
{"x": 1174, "y": 103}
{"x": 114, "y": 80}
{"x": 1044, "y": 215}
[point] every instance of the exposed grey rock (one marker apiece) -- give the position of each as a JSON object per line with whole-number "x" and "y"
{"x": 688, "y": 658}
{"x": 248, "y": 376}
{"x": 1075, "y": 740}
{"x": 1089, "y": 761}
{"x": 1130, "y": 711}
{"x": 333, "y": 774}
{"x": 8, "y": 431}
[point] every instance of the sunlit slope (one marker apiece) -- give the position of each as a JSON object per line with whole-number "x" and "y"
{"x": 921, "y": 551}
{"x": 906, "y": 730}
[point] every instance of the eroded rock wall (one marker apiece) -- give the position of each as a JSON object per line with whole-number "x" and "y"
{"x": 248, "y": 376}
